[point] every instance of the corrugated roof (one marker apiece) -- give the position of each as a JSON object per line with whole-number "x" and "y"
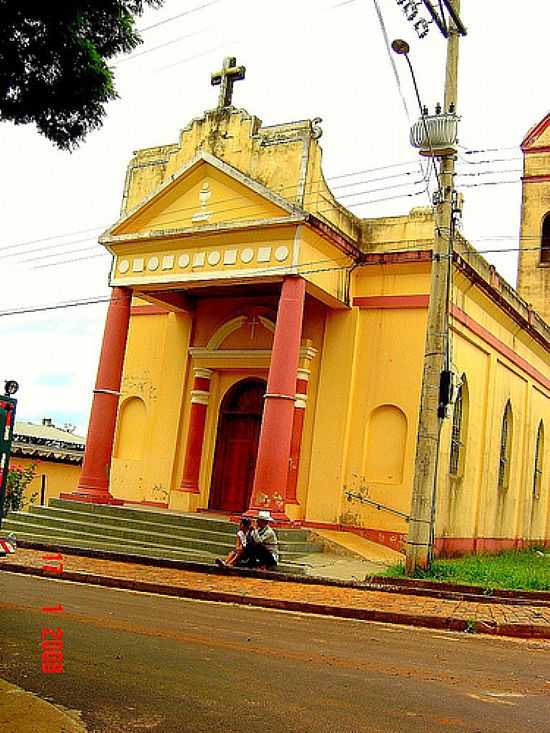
{"x": 47, "y": 433}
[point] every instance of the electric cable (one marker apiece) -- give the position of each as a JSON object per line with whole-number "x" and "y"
{"x": 341, "y": 176}
{"x": 196, "y": 9}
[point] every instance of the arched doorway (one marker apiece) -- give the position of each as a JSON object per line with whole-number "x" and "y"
{"x": 237, "y": 446}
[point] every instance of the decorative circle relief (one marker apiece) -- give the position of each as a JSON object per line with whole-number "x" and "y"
{"x": 123, "y": 266}
{"x": 247, "y": 255}
{"x": 281, "y": 253}
{"x": 183, "y": 261}
{"x": 214, "y": 258}
{"x": 153, "y": 264}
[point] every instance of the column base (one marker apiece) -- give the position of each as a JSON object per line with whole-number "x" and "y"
{"x": 183, "y": 501}
{"x": 92, "y": 498}
{"x": 280, "y": 519}
{"x": 189, "y": 487}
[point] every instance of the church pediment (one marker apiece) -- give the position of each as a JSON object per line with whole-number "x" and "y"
{"x": 538, "y": 136}
{"x": 205, "y": 193}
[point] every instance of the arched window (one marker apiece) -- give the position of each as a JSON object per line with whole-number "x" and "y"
{"x": 458, "y": 430}
{"x": 539, "y": 452}
{"x": 505, "y": 447}
{"x": 545, "y": 241}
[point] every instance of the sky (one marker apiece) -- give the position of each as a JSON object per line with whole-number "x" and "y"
{"x": 304, "y": 59}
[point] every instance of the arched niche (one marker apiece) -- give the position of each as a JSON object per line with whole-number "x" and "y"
{"x": 256, "y": 329}
{"x": 132, "y": 421}
{"x": 386, "y": 443}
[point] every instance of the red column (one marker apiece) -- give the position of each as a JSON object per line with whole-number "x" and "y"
{"x": 195, "y": 435}
{"x": 297, "y": 430}
{"x": 94, "y": 479}
{"x": 272, "y": 464}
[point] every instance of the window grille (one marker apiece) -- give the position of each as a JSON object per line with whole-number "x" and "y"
{"x": 537, "y": 473}
{"x": 505, "y": 447}
{"x": 456, "y": 436}
{"x": 545, "y": 241}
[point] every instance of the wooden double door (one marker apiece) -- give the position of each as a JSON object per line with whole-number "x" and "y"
{"x": 237, "y": 441}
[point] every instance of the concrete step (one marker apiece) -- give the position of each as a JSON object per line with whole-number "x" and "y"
{"x": 127, "y": 532}
{"x": 191, "y": 520}
{"x": 105, "y": 523}
{"x": 43, "y": 515}
{"x": 138, "y": 551}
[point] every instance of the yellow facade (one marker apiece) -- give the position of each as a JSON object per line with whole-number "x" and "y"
{"x": 210, "y": 226}
{"x": 55, "y": 477}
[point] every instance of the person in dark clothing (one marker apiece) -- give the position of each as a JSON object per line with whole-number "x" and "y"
{"x": 262, "y": 550}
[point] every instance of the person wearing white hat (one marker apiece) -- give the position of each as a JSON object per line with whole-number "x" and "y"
{"x": 262, "y": 550}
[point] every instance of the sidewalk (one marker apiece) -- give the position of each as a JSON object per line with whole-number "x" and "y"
{"x": 22, "y": 711}
{"x": 522, "y": 620}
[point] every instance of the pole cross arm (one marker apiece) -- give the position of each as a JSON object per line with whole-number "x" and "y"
{"x": 440, "y": 20}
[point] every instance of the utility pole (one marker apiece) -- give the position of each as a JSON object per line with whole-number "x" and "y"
{"x": 435, "y": 377}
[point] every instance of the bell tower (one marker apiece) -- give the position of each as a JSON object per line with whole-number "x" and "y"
{"x": 534, "y": 256}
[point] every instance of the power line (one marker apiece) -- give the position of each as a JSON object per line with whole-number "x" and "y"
{"x": 146, "y": 51}
{"x": 43, "y": 249}
{"x": 179, "y": 15}
{"x": 104, "y": 226}
{"x": 192, "y": 58}
{"x": 232, "y": 209}
{"x": 246, "y": 206}
{"x": 350, "y": 174}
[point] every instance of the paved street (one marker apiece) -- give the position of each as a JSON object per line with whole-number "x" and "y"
{"x": 138, "y": 662}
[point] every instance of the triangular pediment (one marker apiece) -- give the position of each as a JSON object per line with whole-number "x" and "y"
{"x": 538, "y": 136}
{"x": 206, "y": 192}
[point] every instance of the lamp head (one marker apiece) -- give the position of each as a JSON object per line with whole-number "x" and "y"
{"x": 400, "y": 46}
{"x": 10, "y": 386}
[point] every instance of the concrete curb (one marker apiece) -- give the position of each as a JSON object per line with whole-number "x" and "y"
{"x": 383, "y": 584}
{"x": 24, "y": 710}
{"x": 524, "y": 631}
{"x": 539, "y": 597}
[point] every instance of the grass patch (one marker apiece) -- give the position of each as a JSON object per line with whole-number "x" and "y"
{"x": 525, "y": 570}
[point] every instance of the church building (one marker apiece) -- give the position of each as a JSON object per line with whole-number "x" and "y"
{"x": 264, "y": 347}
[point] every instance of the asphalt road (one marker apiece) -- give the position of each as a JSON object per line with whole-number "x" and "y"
{"x": 140, "y": 662}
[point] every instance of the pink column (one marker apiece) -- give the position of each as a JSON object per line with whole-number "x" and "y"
{"x": 94, "y": 480}
{"x": 297, "y": 430}
{"x": 195, "y": 435}
{"x": 271, "y": 475}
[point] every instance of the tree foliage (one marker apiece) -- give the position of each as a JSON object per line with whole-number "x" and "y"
{"x": 19, "y": 478}
{"x": 53, "y": 62}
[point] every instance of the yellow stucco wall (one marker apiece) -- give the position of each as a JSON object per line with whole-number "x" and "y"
{"x": 369, "y": 382}
{"x": 60, "y": 478}
{"x": 473, "y": 504}
{"x": 155, "y": 370}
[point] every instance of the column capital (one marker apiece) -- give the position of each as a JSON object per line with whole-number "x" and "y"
{"x": 202, "y": 372}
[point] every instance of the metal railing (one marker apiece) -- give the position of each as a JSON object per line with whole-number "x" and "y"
{"x": 351, "y": 496}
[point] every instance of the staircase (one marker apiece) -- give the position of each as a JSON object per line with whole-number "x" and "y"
{"x": 151, "y": 534}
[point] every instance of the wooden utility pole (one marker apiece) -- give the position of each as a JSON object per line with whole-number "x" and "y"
{"x": 420, "y": 538}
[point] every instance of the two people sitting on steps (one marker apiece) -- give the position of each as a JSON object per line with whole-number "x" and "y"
{"x": 255, "y": 547}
